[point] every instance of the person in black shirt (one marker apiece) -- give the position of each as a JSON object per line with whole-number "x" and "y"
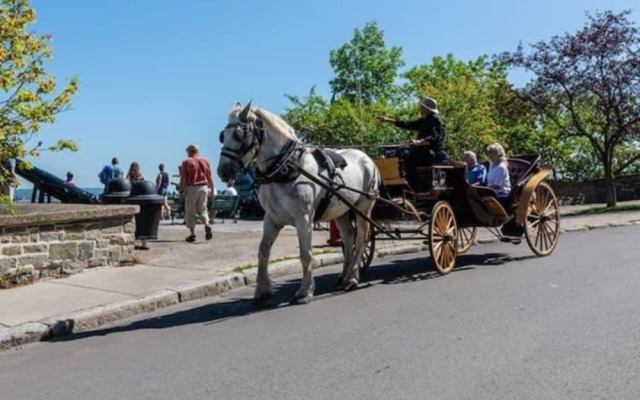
{"x": 428, "y": 148}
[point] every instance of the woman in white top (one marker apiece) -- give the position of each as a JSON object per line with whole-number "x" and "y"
{"x": 498, "y": 175}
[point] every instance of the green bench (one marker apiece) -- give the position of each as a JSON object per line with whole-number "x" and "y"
{"x": 226, "y": 206}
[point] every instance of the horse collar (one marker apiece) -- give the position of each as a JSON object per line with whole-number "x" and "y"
{"x": 284, "y": 167}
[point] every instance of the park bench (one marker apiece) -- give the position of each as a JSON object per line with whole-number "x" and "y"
{"x": 226, "y": 206}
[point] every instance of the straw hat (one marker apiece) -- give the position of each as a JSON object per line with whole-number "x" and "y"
{"x": 430, "y": 104}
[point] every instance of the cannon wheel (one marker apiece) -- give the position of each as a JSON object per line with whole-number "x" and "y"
{"x": 466, "y": 239}
{"x": 443, "y": 234}
{"x": 542, "y": 223}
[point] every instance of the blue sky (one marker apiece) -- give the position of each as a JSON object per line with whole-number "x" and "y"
{"x": 157, "y": 75}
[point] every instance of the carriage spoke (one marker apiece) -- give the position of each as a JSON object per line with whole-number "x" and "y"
{"x": 543, "y": 201}
{"x": 538, "y": 237}
{"x": 551, "y": 236}
{"x": 451, "y": 231}
{"x": 452, "y": 253}
{"x": 437, "y": 244}
{"x": 441, "y": 256}
{"x": 446, "y": 259}
{"x": 545, "y": 237}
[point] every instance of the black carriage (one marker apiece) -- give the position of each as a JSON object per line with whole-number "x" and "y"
{"x": 446, "y": 211}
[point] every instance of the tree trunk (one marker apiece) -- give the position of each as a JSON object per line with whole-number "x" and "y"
{"x": 609, "y": 185}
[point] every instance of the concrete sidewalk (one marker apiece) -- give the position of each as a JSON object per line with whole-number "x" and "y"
{"x": 173, "y": 271}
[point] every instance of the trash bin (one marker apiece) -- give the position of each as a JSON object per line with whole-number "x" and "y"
{"x": 117, "y": 191}
{"x": 144, "y": 194}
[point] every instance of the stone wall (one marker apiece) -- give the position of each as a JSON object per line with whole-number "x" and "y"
{"x": 593, "y": 191}
{"x": 35, "y": 245}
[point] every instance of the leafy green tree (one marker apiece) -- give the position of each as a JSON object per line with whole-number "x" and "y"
{"x": 364, "y": 86}
{"x": 341, "y": 123}
{"x": 365, "y": 68}
{"x": 30, "y": 98}
{"x": 588, "y": 84}
{"x": 477, "y": 104}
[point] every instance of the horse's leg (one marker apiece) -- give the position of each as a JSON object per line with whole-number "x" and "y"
{"x": 264, "y": 288}
{"x": 347, "y": 280}
{"x": 304, "y": 226}
{"x": 352, "y": 275}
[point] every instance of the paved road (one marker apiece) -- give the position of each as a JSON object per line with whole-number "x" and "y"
{"x": 503, "y": 325}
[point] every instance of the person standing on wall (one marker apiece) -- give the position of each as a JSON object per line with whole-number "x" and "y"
{"x": 162, "y": 185}
{"x": 110, "y": 172}
{"x": 9, "y": 179}
{"x": 196, "y": 183}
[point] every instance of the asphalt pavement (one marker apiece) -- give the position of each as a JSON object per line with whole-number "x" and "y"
{"x": 503, "y": 325}
{"x": 173, "y": 272}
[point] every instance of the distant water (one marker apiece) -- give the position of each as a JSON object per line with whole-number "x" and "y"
{"x": 24, "y": 195}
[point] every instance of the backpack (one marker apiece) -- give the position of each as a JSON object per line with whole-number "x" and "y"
{"x": 116, "y": 172}
{"x": 105, "y": 174}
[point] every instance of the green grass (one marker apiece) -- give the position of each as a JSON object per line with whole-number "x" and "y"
{"x": 604, "y": 210}
{"x": 286, "y": 258}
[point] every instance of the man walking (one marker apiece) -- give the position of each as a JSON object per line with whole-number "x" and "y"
{"x": 196, "y": 183}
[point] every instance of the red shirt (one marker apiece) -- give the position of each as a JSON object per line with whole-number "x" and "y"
{"x": 196, "y": 171}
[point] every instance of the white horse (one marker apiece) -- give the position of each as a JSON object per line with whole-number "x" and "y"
{"x": 290, "y": 194}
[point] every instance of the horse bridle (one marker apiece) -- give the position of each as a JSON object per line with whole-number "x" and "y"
{"x": 252, "y": 136}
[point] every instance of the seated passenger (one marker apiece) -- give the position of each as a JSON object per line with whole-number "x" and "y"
{"x": 476, "y": 173}
{"x": 230, "y": 190}
{"x": 429, "y": 146}
{"x": 498, "y": 175}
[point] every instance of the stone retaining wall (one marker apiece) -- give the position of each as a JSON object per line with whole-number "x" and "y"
{"x": 593, "y": 191}
{"x": 64, "y": 240}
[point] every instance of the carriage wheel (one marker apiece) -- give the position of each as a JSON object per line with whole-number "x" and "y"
{"x": 369, "y": 251}
{"x": 542, "y": 224}
{"x": 466, "y": 239}
{"x": 443, "y": 234}
{"x": 408, "y": 205}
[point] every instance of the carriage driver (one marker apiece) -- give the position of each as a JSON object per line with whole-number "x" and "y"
{"x": 429, "y": 146}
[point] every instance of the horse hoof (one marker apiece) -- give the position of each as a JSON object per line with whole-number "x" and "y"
{"x": 296, "y": 301}
{"x": 352, "y": 284}
{"x": 261, "y": 300}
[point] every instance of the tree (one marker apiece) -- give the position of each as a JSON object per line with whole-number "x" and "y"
{"x": 340, "y": 123}
{"x": 588, "y": 85}
{"x": 364, "y": 87}
{"x": 477, "y": 104}
{"x": 29, "y": 91}
{"x": 365, "y": 68}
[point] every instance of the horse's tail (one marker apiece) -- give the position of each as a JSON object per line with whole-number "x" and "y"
{"x": 377, "y": 181}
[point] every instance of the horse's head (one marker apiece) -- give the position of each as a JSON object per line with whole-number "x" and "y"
{"x": 240, "y": 139}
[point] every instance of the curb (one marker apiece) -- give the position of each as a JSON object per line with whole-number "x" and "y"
{"x": 94, "y": 317}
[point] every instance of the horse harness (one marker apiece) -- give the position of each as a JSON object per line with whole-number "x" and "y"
{"x": 285, "y": 167}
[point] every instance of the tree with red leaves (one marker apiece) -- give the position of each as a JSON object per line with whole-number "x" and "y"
{"x": 588, "y": 85}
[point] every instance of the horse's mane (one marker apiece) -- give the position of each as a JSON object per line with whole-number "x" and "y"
{"x": 273, "y": 122}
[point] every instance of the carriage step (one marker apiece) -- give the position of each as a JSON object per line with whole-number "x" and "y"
{"x": 514, "y": 240}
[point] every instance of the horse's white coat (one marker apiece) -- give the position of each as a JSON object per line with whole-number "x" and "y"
{"x": 294, "y": 203}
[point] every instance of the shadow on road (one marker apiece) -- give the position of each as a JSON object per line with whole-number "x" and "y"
{"x": 392, "y": 272}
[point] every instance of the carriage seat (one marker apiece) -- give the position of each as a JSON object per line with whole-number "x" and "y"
{"x": 495, "y": 209}
{"x": 390, "y": 171}
{"x": 518, "y": 171}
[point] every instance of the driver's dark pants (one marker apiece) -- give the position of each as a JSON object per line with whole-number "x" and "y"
{"x": 420, "y": 156}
